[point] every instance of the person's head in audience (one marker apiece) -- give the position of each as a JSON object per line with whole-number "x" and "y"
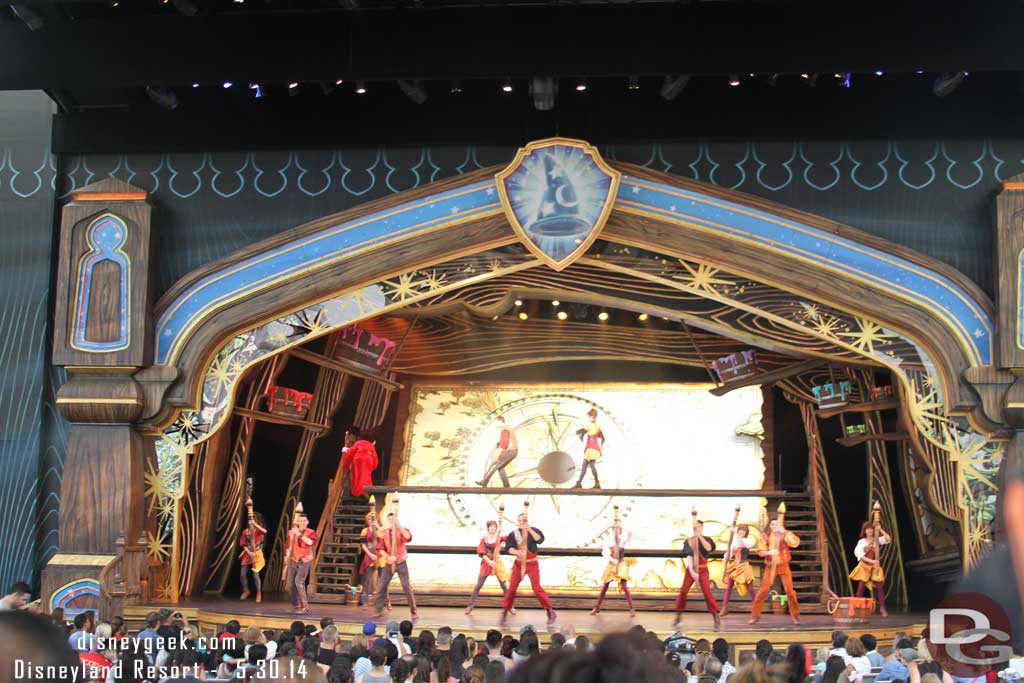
{"x": 405, "y": 628}
{"x": 696, "y": 667}
{"x": 557, "y": 641}
{"x": 378, "y": 656}
{"x": 459, "y": 652}
{"x": 104, "y": 630}
{"x": 720, "y": 649}
{"x": 618, "y": 657}
{"x": 444, "y": 638}
{"x": 713, "y": 667}
{"x": 821, "y": 655}
{"x": 839, "y": 639}
{"x": 508, "y": 645}
{"x": 494, "y": 672}
{"x": 400, "y": 671}
{"x": 257, "y": 653}
{"x": 233, "y": 627}
{"x": 310, "y": 647}
{"x": 390, "y": 652}
{"x": 900, "y": 635}
{"x": 869, "y": 641}
{"x": 746, "y": 658}
{"x": 298, "y": 630}
{"x": 423, "y": 669}
{"x": 762, "y": 649}
{"x": 473, "y": 674}
{"x": 569, "y": 631}
{"x": 583, "y": 643}
{"x": 17, "y": 596}
{"x": 289, "y": 649}
{"x": 903, "y": 643}
{"x": 796, "y": 661}
{"x": 341, "y": 670}
{"x": 834, "y": 666}
{"x": 120, "y": 628}
{"x": 855, "y": 647}
{"x": 482, "y": 661}
{"x": 444, "y": 669}
{"x": 493, "y": 641}
{"x": 426, "y": 643}
{"x": 30, "y": 637}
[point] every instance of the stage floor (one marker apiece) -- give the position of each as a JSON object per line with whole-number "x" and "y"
{"x": 211, "y": 613}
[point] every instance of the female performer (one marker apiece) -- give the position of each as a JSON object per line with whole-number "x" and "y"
{"x": 488, "y": 563}
{"x": 370, "y": 545}
{"x": 739, "y": 571}
{"x": 615, "y": 553}
{"x": 592, "y": 448}
{"x": 868, "y": 572}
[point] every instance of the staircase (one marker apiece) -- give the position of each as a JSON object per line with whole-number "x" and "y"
{"x": 337, "y": 556}
{"x": 806, "y": 566}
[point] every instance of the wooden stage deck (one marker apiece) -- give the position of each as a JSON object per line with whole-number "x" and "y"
{"x": 212, "y": 612}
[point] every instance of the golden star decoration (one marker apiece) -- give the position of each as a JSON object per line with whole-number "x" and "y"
{"x": 434, "y": 280}
{"x": 867, "y": 336}
{"x": 155, "y": 487}
{"x": 494, "y": 265}
{"x": 702, "y": 278}
{"x": 156, "y": 547}
{"x": 826, "y": 326}
{"x": 810, "y": 311}
{"x": 402, "y": 288}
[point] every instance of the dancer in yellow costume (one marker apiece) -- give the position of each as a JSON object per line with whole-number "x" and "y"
{"x": 592, "y": 448}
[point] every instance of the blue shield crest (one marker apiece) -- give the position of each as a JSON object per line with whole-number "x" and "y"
{"x": 557, "y": 194}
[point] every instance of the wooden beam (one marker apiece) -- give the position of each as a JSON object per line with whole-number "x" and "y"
{"x": 341, "y": 366}
{"x": 770, "y": 377}
{"x": 280, "y": 419}
{"x": 636, "y": 493}
{"x": 863, "y": 438}
{"x": 859, "y": 408}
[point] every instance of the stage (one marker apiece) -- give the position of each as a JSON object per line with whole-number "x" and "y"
{"x": 211, "y": 613}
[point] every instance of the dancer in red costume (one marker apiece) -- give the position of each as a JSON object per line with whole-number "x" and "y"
{"x": 523, "y": 544}
{"x": 695, "y": 556}
{"x": 358, "y": 461}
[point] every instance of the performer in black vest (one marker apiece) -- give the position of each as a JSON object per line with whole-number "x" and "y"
{"x": 531, "y": 538}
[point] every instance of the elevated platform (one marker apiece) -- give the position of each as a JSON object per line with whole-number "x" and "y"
{"x": 569, "y": 491}
{"x": 211, "y": 613}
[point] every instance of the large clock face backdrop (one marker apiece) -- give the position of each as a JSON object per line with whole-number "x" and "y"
{"x": 656, "y": 436}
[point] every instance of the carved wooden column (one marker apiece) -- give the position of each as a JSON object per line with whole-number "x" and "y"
{"x": 102, "y": 335}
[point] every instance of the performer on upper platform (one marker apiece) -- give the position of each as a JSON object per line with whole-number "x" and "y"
{"x": 739, "y": 573}
{"x": 614, "y": 553}
{"x": 358, "y": 460}
{"x": 372, "y": 562}
{"x": 695, "y": 556}
{"x": 394, "y": 540}
{"x": 774, "y": 548}
{"x": 489, "y": 550}
{"x": 506, "y": 451}
{"x": 869, "y": 573}
{"x": 592, "y": 448}
{"x": 252, "y": 552}
{"x": 523, "y": 544}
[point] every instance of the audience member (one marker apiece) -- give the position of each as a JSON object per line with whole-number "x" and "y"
{"x": 746, "y": 659}
{"x": 340, "y": 671}
{"x": 495, "y": 672}
{"x": 897, "y": 668}
{"x": 857, "y": 654}
{"x": 378, "y": 673}
{"x": 426, "y": 644}
{"x": 834, "y": 666}
{"x": 82, "y": 639}
{"x": 796, "y": 662}
{"x": 473, "y": 674}
{"x": 839, "y": 639}
{"x": 17, "y": 596}
{"x": 583, "y": 644}
{"x": 720, "y": 649}
{"x": 557, "y": 641}
{"x": 762, "y": 650}
{"x": 443, "y": 674}
{"x": 873, "y": 655}
{"x": 423, "y": 669}
{"x": 405, "y": 629}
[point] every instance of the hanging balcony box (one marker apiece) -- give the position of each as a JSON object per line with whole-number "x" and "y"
{"x": 856, "y": 430}
{"x": 288, "y": 401}
{"x": 736, "y": 366}
{"x": 832, "y": 394}
{"x": 882, "y": 393}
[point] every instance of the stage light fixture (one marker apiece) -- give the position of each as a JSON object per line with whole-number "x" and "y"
{"x": 164, "y": 97}
{"x": 809, "y": 79}
{"x": 506, "y": 85}
{"x": 195, "y": 85}
{"x": 293, "y": 88}
{"x": 524, "y": 316}
{"x": 544, "y": 89}
{"x": 602, "y": 316}
{"x": 642, "y": 317}
{"x": 456, "y": 88}
{"x": 227, "y": 84}
{"x": 844, "y": 79}
{"x": 555, "y": 302}
{"x": 360, "y": 88}
{"x": 518, "y": 302}
{"x": 258, "y": 90}
{"x": 672, "y": 86}
{"x": 734, "y": 80}
{"x": 581, "y": 85}
{"x": 633, "y": 83}
{"x": 947, "y": 83}
{"x": 562, "y": 315}
{"x": 879, "y": 72}
{"x": 413, "y": 90}
{"x": 339, "y": 81}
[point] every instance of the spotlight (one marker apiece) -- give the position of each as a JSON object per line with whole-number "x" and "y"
{"x": 919, "y": 72}
{"x": 227, "y": 84}
{"x": 581, "y": 85}
{"x": 293, "y": 88}
{"x": 810, "y": 79}
{"x": 413, "y": 90}
{"x": 29, "y": 16}
{"x": 555, "y": 302}
{"x": 506, "y": 85}
{"x": 456, "y": 88}
{"x": 642, "y": 317}
{"x": 844, "y": 79}
{"x": 257, "y": 88}
{"x": 339, "y": 81}
{"x": 164, "y": 97}
{"x": 671, "y": 87}
{"x": 948, "y": 82}
{"x": 879, "y": 72}
{"x": 360, "y": 88}
{"x": 519, "y": 302}
{"x": 544, "y": 89}
{"x": 562, "y": 315}
{"x": 633, "y": 84}
{"x": 734, "y": 80}
{"x": 195, "y": 85}
{"x": 602, "y": 316}
{"x": 523, "y": 316}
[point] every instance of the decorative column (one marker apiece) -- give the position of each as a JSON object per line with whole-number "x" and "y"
{"x": 102, "y": 336}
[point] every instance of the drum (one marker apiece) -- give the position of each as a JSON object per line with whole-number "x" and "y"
{"x": 851, "y": 611}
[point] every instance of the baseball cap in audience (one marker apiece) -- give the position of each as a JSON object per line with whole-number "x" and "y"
{"x": 369, "y": 628}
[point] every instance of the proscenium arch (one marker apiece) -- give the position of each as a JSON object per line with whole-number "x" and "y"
{"x": 810, "y": 256}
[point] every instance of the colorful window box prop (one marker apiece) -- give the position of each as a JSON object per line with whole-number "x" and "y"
{"x": 290, "y": 401}
{"x": 832, "y": 394}
{"x": 736, "y": 366}
{"x": 856, "y": 430}
{"x": 882, "y": 393}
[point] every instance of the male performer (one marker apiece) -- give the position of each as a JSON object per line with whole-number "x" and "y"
{"x": 868, "y": 572}
{"x": 397, "y": 554}
{"x": 695, "y": 558}
{"x": 525, "y": 540}
{"x": 774, "y": 548}
{"x": 507, "y": 450}
{"x": 591, "y": 448}
{"x": 252, "y": 542}
{"x": 615, "y": 553}
{"x": 298, "y": 558}
{"x": 358, "y": 460}
{"x": 488, "y": 565}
